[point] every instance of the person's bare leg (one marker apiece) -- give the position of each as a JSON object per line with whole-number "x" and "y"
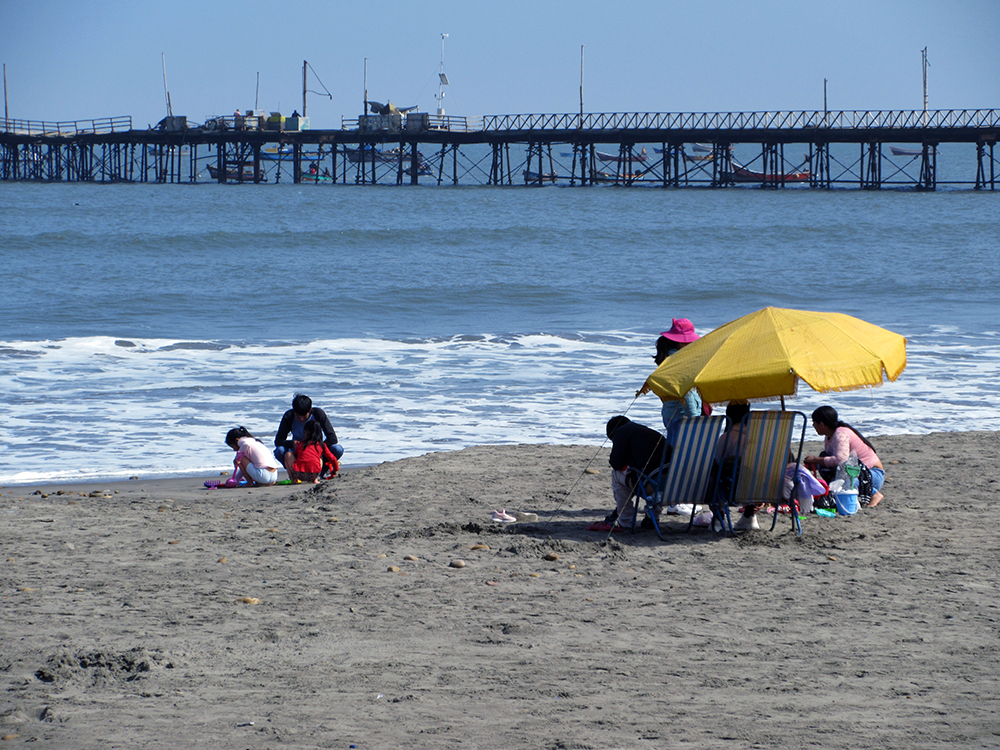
{"x": 244, "y": 462}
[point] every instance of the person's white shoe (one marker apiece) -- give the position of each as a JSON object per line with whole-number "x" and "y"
{"x": 747, "y": 524}
{"x": 501, "y": 516}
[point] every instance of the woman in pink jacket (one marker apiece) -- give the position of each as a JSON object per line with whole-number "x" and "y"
{"x": 841, "y": 440}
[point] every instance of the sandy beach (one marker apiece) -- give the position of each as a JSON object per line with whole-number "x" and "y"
{"x": 159, "y": 614}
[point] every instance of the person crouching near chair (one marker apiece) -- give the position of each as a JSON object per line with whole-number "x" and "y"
{"x": 634, "y": 446}
{"x": 840, "y": 441}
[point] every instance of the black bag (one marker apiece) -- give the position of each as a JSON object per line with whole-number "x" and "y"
{"x": 865, "y": 489}
{"x": 825, "y": 502}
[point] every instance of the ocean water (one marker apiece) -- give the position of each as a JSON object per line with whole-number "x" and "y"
{"x": 138, "y": 323}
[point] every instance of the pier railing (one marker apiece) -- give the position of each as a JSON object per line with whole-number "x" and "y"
{"x": 606, "y": 121}
{"x": 419, "y": 121}
{"x": 945, "y": 118}
{"x": 71, "y": 128}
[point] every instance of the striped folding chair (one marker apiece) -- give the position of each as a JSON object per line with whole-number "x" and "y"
{"x": 688, "y": 477}
{"x": 766, "y": 449}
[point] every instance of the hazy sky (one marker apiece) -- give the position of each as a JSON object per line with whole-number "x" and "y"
{"x": 69, "y": 60}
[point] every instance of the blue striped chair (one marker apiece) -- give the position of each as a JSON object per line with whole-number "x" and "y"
{"x": 766, "y": 447}
{"x": 688, "y": 477}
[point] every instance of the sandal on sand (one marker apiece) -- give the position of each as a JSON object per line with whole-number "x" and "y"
{"x": 502, "y": 516}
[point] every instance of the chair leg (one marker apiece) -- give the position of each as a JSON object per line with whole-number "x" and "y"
{"x": 694, "y": 512}
{"x": 720, "y": 515}
{"x": 656, "y": 525}
{"x": 796, "y": 523}
{"x": 793, "y": 506}
{"x": 721, "y": 519}
{"x": 721, "y": 523}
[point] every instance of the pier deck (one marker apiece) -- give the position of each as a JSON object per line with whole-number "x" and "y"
{"x": 635, "y": 149}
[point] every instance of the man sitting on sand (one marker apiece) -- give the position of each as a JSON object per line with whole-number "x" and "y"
{"x": 294, "y": 421}
{"x": 634, "y": 446}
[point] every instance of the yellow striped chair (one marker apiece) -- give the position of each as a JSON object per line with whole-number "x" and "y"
{"x": 768, "y": 445}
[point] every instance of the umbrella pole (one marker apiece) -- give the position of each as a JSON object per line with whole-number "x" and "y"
{"x": 782, "y": 403}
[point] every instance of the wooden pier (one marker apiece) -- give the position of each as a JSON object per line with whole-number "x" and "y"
{"x": 869, "y": 150}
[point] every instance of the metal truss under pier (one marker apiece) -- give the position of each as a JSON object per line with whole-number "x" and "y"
{"x": 838, "y": 149}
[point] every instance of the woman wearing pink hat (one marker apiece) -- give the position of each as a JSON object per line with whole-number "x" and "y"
{"x": 681, "y": 334}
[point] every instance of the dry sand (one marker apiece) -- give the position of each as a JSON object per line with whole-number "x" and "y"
{"x": 127, "y": 622}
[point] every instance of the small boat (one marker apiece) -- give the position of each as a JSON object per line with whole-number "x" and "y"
{"x": 392, "y": 156}
{"x": 618, "y": 179}
{"x": 640, "y": 157}
{"x": 743, "y": 174}
{"x": 530, "y": 177}
{"x": 702, "y": 151}
{"x": 896, "y": 151}
{"x": 604, "y": 156}
{"x": 313, "y": 174}
{"x": 287, "y": 153}
{"x": 233, "y": 173}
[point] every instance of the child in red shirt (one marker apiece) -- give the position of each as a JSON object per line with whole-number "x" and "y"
{"x": 311, "y": 455}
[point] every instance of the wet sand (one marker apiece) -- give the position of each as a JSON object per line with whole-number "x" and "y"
{"x": 159, "y": 614}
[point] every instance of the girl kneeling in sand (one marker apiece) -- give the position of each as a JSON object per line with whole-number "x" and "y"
{"x": 253, "y": 459}
{"x": 311, "y": 455}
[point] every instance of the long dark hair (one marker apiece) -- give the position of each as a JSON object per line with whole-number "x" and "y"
{"x": 827, "y": 415}
{"x": 312, "y": 433}
{"x": 736, "y": 411}
{"x": 663, "y": 348}
{"x": 234, "y": 435}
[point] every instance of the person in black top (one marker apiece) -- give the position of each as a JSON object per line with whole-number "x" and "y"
{"x": 294, "y": 421}
{"x": 634, "y": 446}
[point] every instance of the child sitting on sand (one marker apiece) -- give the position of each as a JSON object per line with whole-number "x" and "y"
{"x": 312, "y": 456}
{"x": 253, "y": 459}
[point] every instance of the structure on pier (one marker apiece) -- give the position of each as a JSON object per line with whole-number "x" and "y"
{"x": 640, "y": 149}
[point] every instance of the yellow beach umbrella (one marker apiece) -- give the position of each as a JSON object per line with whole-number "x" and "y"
{"x": 763, "y": 355}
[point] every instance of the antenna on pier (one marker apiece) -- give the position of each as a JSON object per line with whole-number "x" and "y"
{"x": 306, "y": 66}
{"x": 166, "y": 92}
{"x": 256, "y": 96}
{"x": 924, "y": 65}
{"x": 442, "y": 80}
{"x": 582, "y": 48}
{"x": 6, "y": 120}
{"x": 365, "y": 110}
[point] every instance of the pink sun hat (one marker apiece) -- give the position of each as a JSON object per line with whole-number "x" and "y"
{"x": 682, "y": 331}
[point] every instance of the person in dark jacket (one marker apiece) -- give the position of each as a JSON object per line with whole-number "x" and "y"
{"x": 634, "y": 446}
{"x": 294, "y": 421}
